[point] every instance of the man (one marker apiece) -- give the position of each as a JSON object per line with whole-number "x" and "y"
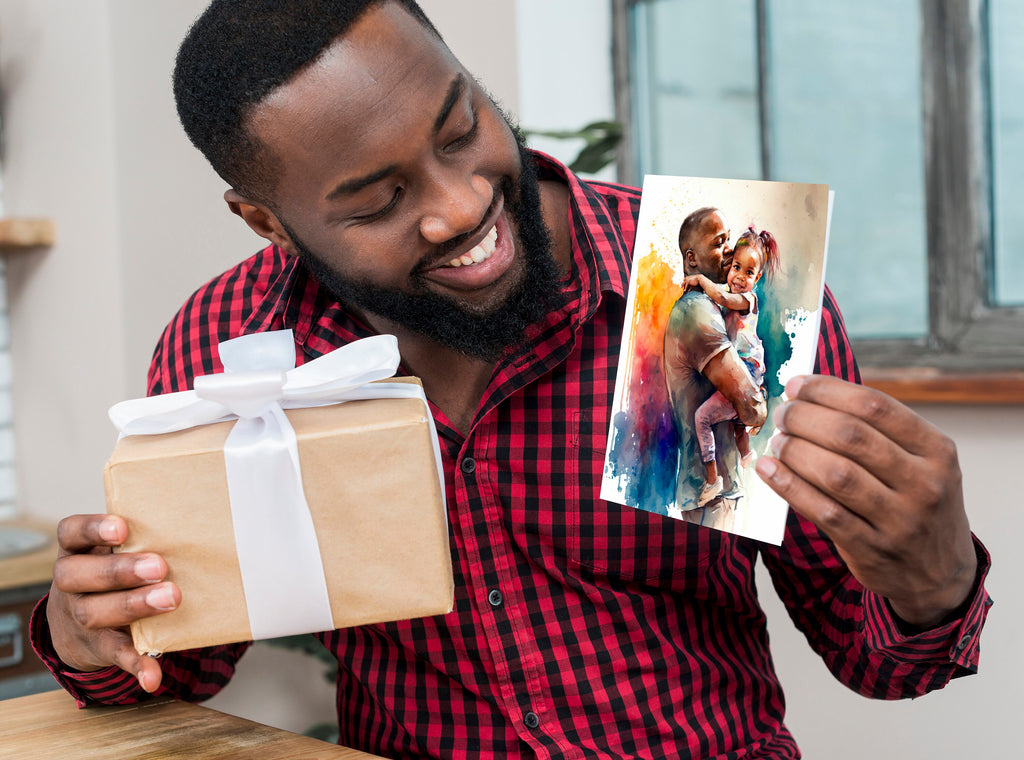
{"x": 396, "y": 199}
{"x": 700, "y": 358}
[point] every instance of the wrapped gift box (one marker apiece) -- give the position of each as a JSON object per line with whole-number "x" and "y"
{"x": 370, "y": 478}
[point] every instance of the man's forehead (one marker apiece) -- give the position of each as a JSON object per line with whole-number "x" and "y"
{"x": 713, "y": 224}
{"x": 387, "y": 64}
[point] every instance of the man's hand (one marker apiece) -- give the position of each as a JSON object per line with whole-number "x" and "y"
{"x": 884, "y": 485}
{"x": 96, "y": 594}
{"x": 727, "y": 372}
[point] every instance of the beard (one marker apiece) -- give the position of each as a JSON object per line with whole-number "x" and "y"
{"x": 444, "y": 320}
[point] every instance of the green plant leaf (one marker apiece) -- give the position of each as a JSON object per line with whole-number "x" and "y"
{"x": 601, "y": 140}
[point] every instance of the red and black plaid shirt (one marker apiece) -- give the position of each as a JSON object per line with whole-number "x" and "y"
{"x": 581, "y": 628}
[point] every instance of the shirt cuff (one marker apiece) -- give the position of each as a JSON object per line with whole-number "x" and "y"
{"x": 109, "y": 685}
{"x": 952, "y": 641}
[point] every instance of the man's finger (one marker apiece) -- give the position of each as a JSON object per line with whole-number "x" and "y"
{"x": 840, "y": 524}
{"x": 120, "y": 608}
{"x": 846, "y": 435}
{"x": 882, "y": 412}
{"x": 81, "y": 533}
{"x": 88, "y": 573}
{"x": 121, "y": 651}
{"x": 840, "y": 480}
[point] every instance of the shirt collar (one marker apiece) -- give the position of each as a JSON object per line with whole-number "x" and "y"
{"x": 601, "y": 255}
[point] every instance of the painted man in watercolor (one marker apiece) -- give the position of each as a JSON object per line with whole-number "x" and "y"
{"x": 700, "y": 358}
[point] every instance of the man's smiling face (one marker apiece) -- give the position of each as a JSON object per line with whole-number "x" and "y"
{"x": 404, "y": 188}
{"x": 708, "y": 252}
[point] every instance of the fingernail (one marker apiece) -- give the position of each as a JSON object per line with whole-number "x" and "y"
{"x": 776, "y": 441}
{"x": 778, "y": 417}
{"x": 766, "y": 468}
{"x": 108, "y": 530}
{"x": 149, "y": 569}
{"x": 793, "y": 386}
{"x": 160, "y": 598}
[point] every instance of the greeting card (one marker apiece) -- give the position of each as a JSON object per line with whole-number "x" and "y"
{"x": 724, "y": 307}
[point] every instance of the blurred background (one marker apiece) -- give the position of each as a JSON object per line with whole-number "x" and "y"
{"x": 910, "y": 111}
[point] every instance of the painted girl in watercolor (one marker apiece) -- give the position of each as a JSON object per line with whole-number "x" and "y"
{"x": 755, "y": 254}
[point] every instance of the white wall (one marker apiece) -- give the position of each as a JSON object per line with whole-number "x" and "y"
{"x": 65, "y": 305}
{"x": 91, "y": 140}
{"x": 565, "y": 71}
{"x": 975, "y": 716}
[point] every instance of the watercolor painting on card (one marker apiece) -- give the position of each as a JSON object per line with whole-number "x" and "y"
{"x": 724, "y": 307}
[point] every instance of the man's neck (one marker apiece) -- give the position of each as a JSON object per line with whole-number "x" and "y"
{"x": 554, "y": 204}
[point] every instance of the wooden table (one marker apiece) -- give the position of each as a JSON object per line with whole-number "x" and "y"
{"x": 45, "y": 726}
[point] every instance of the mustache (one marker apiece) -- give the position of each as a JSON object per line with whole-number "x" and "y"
{"x": 444, "y": 251}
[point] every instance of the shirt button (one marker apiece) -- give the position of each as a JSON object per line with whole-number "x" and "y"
{"x": 495, "y": 598}
{"x": 530, "y": 720}
{"x": 468, "y": 465}
{"x": 964, "y": 642}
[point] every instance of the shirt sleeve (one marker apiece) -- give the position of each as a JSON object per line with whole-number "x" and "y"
{"x": 697, "y": 331}
{"x": 192, "y": 675}
{"x": 855, "y": 630}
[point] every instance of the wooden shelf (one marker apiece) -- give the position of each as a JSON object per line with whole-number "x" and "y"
{"x": 32, "y": 567}
{"x": 25, "y": 232}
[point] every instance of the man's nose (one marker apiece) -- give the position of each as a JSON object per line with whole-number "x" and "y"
{"x": 457, "y": 205}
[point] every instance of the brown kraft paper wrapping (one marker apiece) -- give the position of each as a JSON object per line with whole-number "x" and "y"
{"x": 370, "y": 480}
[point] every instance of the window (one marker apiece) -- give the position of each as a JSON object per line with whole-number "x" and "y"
{"x": 909, "y": 110}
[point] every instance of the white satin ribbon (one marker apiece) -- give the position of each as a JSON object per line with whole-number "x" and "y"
{"x": 282, "y": 571}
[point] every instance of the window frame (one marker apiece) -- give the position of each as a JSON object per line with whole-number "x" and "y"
{"x": 973, "y": 351}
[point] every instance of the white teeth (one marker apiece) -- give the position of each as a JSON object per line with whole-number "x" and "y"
{"x": 480, "y": 252}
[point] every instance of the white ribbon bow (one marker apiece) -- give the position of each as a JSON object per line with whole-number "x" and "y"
{"x": 260, "y": 372}
{"x": 282, "y": 571}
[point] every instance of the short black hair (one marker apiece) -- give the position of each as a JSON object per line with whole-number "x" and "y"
{"x": 691, "y": 224}
{"x": 238, "y": 52}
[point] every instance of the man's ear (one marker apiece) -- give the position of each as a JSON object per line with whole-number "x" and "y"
{"x": 261, "y": 220}
{"x": 690, "y": 258}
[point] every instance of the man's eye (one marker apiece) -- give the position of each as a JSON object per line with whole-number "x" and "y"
{"x": 464, "y": 140}
{"x": 371, "y": 217}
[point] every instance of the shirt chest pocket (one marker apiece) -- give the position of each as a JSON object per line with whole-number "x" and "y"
{"x": 618, "y": 541}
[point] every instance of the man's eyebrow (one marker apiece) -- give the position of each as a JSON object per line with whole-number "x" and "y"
{"x": 455, "y": 90}
{"x": 351, "y": 186}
